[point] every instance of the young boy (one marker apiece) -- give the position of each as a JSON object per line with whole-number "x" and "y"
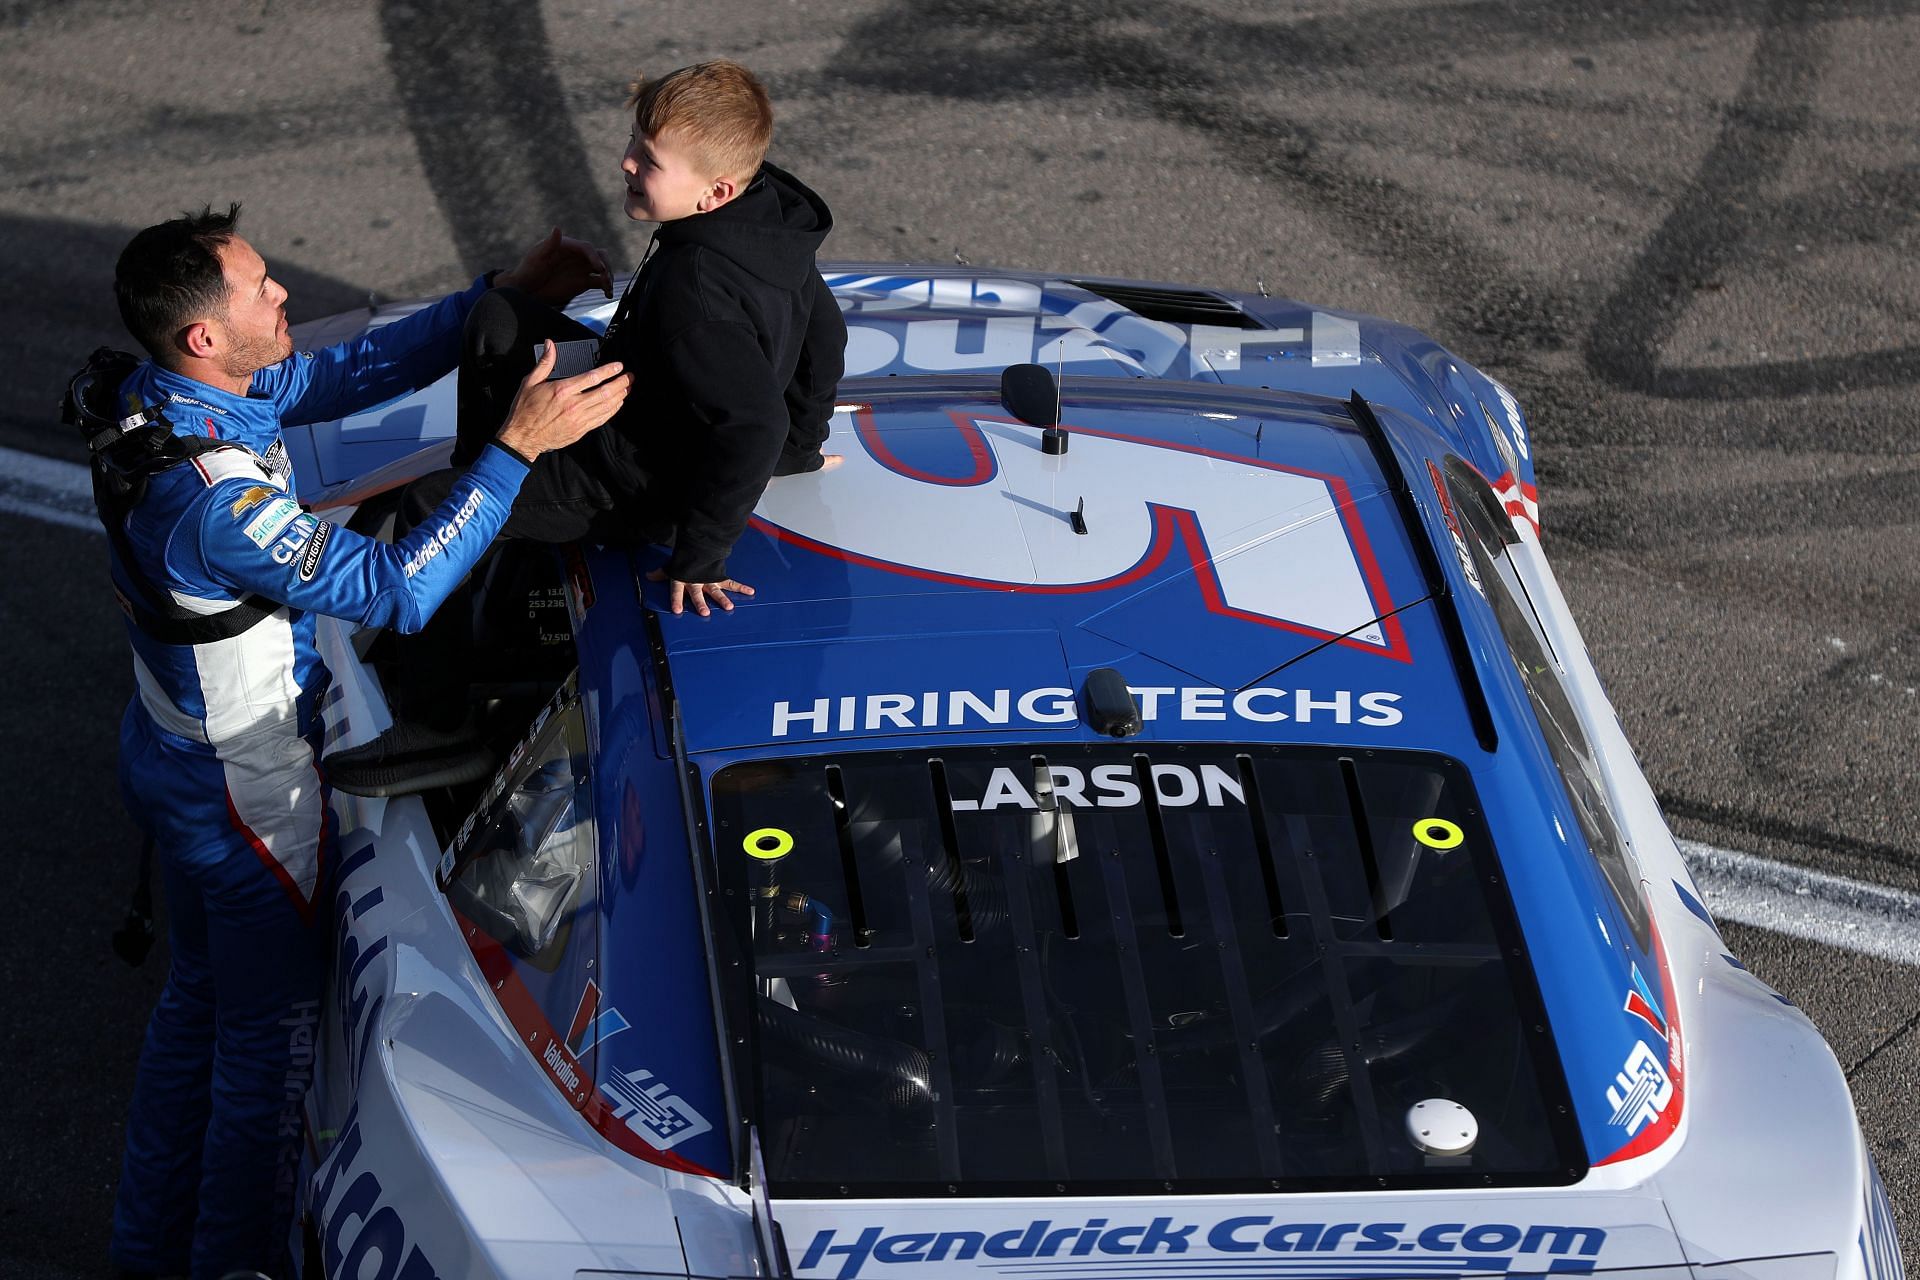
{"x": 736, "y": 347}
{"x": 730, "y": 326}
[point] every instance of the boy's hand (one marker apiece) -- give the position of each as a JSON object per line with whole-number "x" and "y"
{"x": 682, "y": 595}
{"x": 558, "y": 269}
{"x": 552, "y": 415}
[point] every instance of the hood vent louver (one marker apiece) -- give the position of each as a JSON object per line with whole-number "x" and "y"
{"x": 1173, "y": 306}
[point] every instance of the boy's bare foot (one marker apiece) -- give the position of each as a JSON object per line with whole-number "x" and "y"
{"x": 828, "y": 461}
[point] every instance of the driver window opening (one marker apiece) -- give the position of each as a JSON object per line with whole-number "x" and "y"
{"x": 1488, "y": 534}
{"x": 521, "y": 649}
{"x": 521, "y": 866}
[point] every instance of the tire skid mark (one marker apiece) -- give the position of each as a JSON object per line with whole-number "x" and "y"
{"x": 1191, "y": 67}
{"x": 1823, "y": 707}
{"x": 995, "y": 51}
{"x": 1893, "y": 1037}
{"x": 1867, "y": 497}
{"x": 1706, "y": 235}
{"x": 1802, "y": 835}
{"x": 1497, "y": 95}
{"x": 1174, "y": 73}
{"x": 490, "y": 120}
{"x": 1365, "y": 40}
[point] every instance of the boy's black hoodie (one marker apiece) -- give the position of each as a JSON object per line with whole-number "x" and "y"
{"x": 736, "y": 347}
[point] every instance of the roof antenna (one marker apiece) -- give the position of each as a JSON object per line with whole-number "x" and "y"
{"x": 1053, "y": 439}
{"x": 1078, "y": 518}
{"x": 1060, "y": 385}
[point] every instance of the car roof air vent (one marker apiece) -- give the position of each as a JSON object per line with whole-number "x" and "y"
{"x": 1173, "y": 306}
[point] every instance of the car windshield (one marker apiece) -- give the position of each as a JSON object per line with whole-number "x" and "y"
{"x": 995, "y": 971}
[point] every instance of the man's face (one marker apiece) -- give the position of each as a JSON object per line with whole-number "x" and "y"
{"x": 663, "y": 182}
{"x": 255, "y": 326}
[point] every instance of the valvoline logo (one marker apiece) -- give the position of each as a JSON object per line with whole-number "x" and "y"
{"x": 1439, "y": 1248}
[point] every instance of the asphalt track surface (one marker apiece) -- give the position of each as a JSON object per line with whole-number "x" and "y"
{"x": 1683, "y": 232}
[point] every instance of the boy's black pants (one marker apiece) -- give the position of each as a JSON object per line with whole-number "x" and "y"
{"x": 568, "y": 494}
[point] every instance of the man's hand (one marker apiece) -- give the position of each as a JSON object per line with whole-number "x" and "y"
{"x": 682, "y": 595}
{"x": 558, "y": 269}
{"x": 552, "y": 415}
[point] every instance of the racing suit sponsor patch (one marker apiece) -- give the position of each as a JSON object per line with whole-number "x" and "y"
{"x": 273, "y": 517}
{"x": 293, "y": 540}
{"x": 310, "y": 562}
{"x": 230, "y": 463}
{"x": 278, "y": 464}
{"x": 253, "y": 497}
{"x": 301, "y": 1022}
{"x": 174, "y": 397}
{"x": 445, "y": 534}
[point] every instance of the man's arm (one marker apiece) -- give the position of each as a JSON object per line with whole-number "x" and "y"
{"x": 272, "y": 547}
{"x": 424, "y": 347}
{"x": 285, "y": 554}
{"x": 410, "y": 353}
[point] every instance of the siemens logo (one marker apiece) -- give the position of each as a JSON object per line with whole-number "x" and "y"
{"x": 1572, "y": 1249}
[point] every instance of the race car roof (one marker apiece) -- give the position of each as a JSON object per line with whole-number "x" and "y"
{"x": 927, "y": 321}
{"x": 1247, "y": 567}
{"x": 1237, "y": 556}
{"x": 1243, "y": 559}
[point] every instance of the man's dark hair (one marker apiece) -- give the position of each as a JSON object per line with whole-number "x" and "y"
{"x": 169, "y": 276}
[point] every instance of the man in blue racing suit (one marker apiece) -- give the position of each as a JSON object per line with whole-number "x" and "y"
{"x": 220, "y": 747}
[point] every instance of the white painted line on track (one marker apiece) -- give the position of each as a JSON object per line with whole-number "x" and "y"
{"x": 1750, "y": 890}
{"x": 1831, "y": 910}
{"x": 46, "y": 489}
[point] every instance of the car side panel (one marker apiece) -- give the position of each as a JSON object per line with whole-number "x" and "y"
{"x": 442, "y": 1147}
{"x": 1761, "y": 1080}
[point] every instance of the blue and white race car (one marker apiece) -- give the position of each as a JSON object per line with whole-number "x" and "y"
{"x": 1157, "y": 819}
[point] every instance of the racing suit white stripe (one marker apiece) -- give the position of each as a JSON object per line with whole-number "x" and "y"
{"x": 252, "y": 723}
{"x": 154, "y": 698}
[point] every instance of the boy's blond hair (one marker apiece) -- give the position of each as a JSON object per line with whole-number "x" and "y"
{"x": 719, "y": 110}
